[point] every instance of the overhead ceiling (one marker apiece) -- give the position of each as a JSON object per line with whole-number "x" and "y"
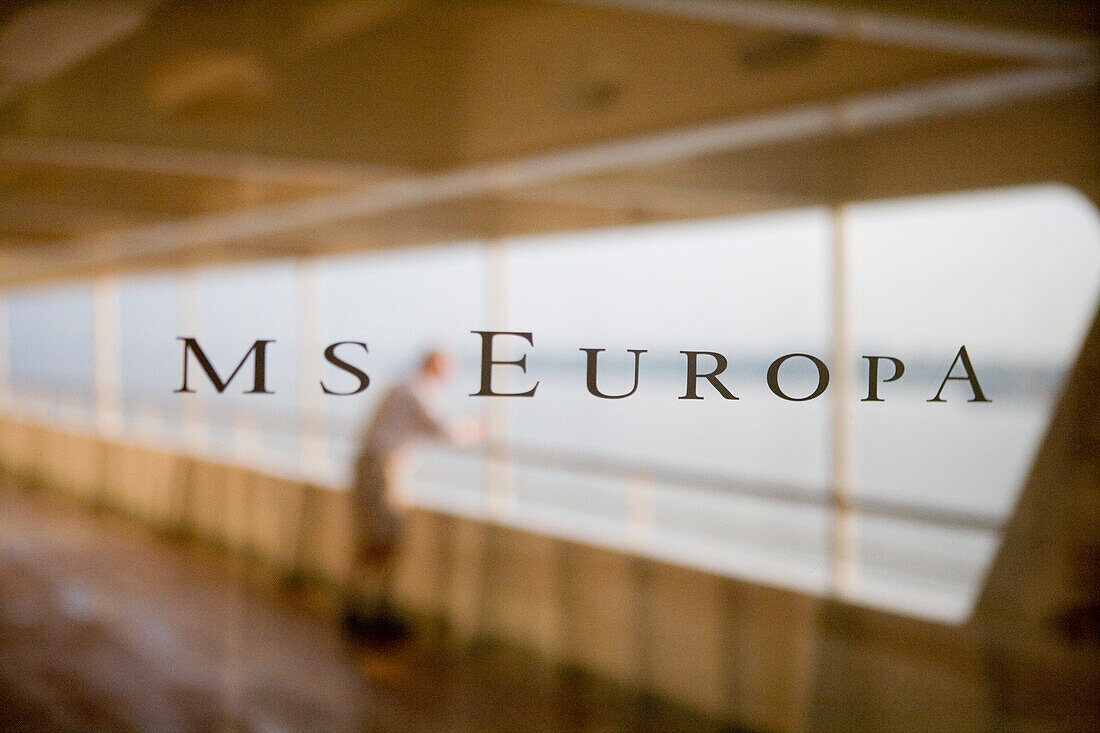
{"x": 138, "y": 134}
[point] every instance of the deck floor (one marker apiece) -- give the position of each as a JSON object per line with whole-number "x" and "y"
{"x": 107, "y": 626}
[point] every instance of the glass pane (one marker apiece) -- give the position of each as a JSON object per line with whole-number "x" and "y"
{"x": 51, "y": 366}
{"x": 1011, "y": 275}
{"x": 149, "y": 354}
{"x": 401, "y": 304}
{"x": 750, "y": 289}
{"x": 235, "y": 307}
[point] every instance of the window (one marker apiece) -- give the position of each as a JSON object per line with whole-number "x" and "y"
{"x": 894, "y": 502}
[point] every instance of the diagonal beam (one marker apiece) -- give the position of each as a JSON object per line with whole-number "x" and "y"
{"x": 863, "y": 25}
{"x": 44, "y": 39}
{"x": 164, "y": 161}
{"x": 651, "y": 197}
{"x": 271, "y": 170}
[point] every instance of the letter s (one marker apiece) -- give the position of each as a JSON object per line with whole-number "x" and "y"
{"x": 332, "y": 358}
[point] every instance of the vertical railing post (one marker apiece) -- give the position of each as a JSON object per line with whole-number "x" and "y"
{"x": 105, "y": 357}
{"x": 844, "y": 560}
{"x": 314, "y": 463}
{"x": 196, "y": 431}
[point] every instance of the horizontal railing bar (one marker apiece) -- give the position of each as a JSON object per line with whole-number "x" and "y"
{"x": 597, "y": 465}
{"x": 752, "y": 489}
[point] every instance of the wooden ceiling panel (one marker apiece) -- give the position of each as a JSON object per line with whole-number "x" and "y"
{"x": 235, "y": 131}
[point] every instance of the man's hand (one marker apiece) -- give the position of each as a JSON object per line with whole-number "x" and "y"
{"x": 470, "y": 431}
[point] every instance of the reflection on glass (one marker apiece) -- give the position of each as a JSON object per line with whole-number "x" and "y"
{"x": 740, "y": 486}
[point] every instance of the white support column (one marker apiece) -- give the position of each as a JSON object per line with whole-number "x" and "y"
{"x": 196, "y": 432}
{"x": 499, "y": 498}
{"x": 5, "y": 353}
{"x": 105, "y": 357}
{"x": 844, "y": 565}
{"x": 313, "y": 461}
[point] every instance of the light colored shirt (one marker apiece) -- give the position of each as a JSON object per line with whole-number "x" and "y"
{"x": 405, "y": 415}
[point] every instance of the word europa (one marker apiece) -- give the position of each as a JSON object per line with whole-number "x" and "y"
{"x": 489, "y": 361}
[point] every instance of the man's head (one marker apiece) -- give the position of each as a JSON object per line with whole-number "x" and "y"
{"x": 436, "y": 365}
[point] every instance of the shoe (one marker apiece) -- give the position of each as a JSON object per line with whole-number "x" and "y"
{"x": 380, "y": 628}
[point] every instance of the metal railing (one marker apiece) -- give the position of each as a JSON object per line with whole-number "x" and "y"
{"x": 59, "y": 401}
{"x": 633, "y": 531}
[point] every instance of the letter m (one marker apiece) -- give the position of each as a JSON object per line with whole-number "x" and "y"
{"x": 191, "y": 346}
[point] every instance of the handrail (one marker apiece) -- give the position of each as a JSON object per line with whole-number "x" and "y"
{"x": 601, "y": 465}
{"x": 741, "y": 487}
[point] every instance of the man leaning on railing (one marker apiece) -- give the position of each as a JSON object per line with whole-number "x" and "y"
{"x": 409, "y": 412}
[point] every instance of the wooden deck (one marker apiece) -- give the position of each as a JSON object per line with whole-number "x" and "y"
{"x": 106, "y": 626}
